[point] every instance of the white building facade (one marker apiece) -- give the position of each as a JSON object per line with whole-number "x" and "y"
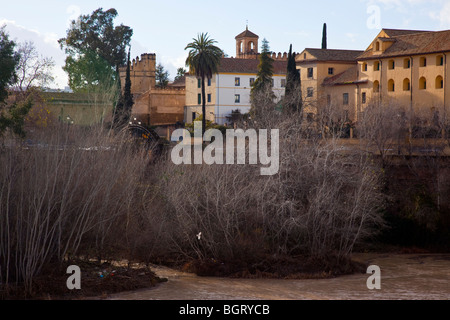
{"x": 229, "y": 89}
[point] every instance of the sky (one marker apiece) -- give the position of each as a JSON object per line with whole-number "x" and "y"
{"x": 166, "y": 27}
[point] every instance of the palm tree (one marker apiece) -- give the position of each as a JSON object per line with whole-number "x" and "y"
{"x": 203, "y": 61}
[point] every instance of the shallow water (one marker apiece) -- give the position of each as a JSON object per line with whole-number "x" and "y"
{"x": 403, "y": 277}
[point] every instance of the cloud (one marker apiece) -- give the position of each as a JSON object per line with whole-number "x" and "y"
{"x": 172, "y": 63}
{"x": 442, "y": 16}
{"x": 74, "y": 12}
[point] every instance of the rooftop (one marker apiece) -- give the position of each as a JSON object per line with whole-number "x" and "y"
{"x": 401, "y": 32}
{"x": 233, "y": 65}
{"x": 349, "y": 76}
{"x": 246, "y": 34}
{"x": 180, "y": 82}
{"x": 420, "y": 42}
{"x": 332, "y": 55}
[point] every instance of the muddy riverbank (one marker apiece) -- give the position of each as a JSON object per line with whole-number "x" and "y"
{"x": 403, "y": 277}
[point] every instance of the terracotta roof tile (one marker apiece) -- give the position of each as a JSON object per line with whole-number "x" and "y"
{"x": 180, "y": 82}
{"x": 401, "y": 32}
{"x": 414, "y": 44}
{"x": 247, "y": 33}
{"x": 234, "y": 65}
{"x": 332, "y": 55}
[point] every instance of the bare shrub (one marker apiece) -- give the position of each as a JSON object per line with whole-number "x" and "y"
{"x": 383, "y": 130}
{"x": 71, "y": 192}
{"x": 322, "y": 201}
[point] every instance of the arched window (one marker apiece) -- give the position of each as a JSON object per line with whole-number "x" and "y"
{"x": 240, "y": 47}
{"x": 376, "y": 66}
{"x": 407, "y": 63}
{"x": 391, "y": 85}
{"x": 391, "y": 64}
{"x": 406, "y": 84}
{"x": 422, "y": 83}
{"x": 376, "y": 86}
{"x": 439, "y": 82}
{"x": 251, "y": 46}
{"x": 423, "y": 62}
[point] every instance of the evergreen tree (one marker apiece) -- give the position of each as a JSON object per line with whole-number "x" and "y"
{"x": 125, "y": 101}
{"x": 293, "y": 94}
{"x": 324, "y": 36}
{"x": 12, "y": 117}
{"x": 96, "y": 48}
{"x": 162, "y": 76}
{"x": 128, "y": 97}
{"x": 265, "y": 71}
{"x": 8, "y": 62}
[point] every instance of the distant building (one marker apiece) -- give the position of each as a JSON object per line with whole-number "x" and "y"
{"x": 154, "y": 106}
{"x": 406, "y": 68}
{"x": 229, "y": 89}
{"x": 317, "y": 67}
{"x": 409, "y": 68}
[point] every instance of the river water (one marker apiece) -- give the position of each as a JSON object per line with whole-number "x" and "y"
{"x": 403, "y": 277}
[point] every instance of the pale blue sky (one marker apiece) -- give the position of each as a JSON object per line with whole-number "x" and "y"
{"x": 165, "y": 27}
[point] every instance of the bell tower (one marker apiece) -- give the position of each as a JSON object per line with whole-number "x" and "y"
{"x": 247, "y": 45}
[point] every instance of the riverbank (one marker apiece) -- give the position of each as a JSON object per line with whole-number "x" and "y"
{"x": 97, "y": 280}
{"x": 276, "y": 267}
{"x": 404, "y": 276}
{"x": 117, "y": 279}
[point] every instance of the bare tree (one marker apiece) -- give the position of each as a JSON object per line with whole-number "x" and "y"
{"x": 33, "y": 69}
{"x": 384, "y": 130}
{"x": 71, "y": 194}
{"x": 321, "y": 203}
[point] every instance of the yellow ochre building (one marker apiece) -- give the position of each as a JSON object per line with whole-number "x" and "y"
{"x": 405, "y": 68}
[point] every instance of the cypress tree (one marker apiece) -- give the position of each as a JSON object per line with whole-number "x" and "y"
{"x": 293, "y": 94}
{"x": 125, "y": 101}
{"x": 324, "y": 36}
{"x": 127, "y": 96}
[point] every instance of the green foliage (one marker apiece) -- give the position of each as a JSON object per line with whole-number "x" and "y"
{"x": 265, "y": 72}
{"x": 8, "y": 62}
{"x": 93, "y": 44}
{"x": 162, "y": 76}
{"x": 204, "y": 57}
{"x": 209, "y": 125}
{"x": 13, "y": 117}
{"x": 203, "y": 61}
{"x": 89, "y": 71}
{"x": 180, "y": 73}
{"x": 265, "y": 67}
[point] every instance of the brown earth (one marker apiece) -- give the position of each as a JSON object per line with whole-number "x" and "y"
{"x": 97, "y": 280}
{"x": 280, "y": 267}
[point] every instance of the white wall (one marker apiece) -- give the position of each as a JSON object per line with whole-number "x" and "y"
{"x": 226, "y": 91}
